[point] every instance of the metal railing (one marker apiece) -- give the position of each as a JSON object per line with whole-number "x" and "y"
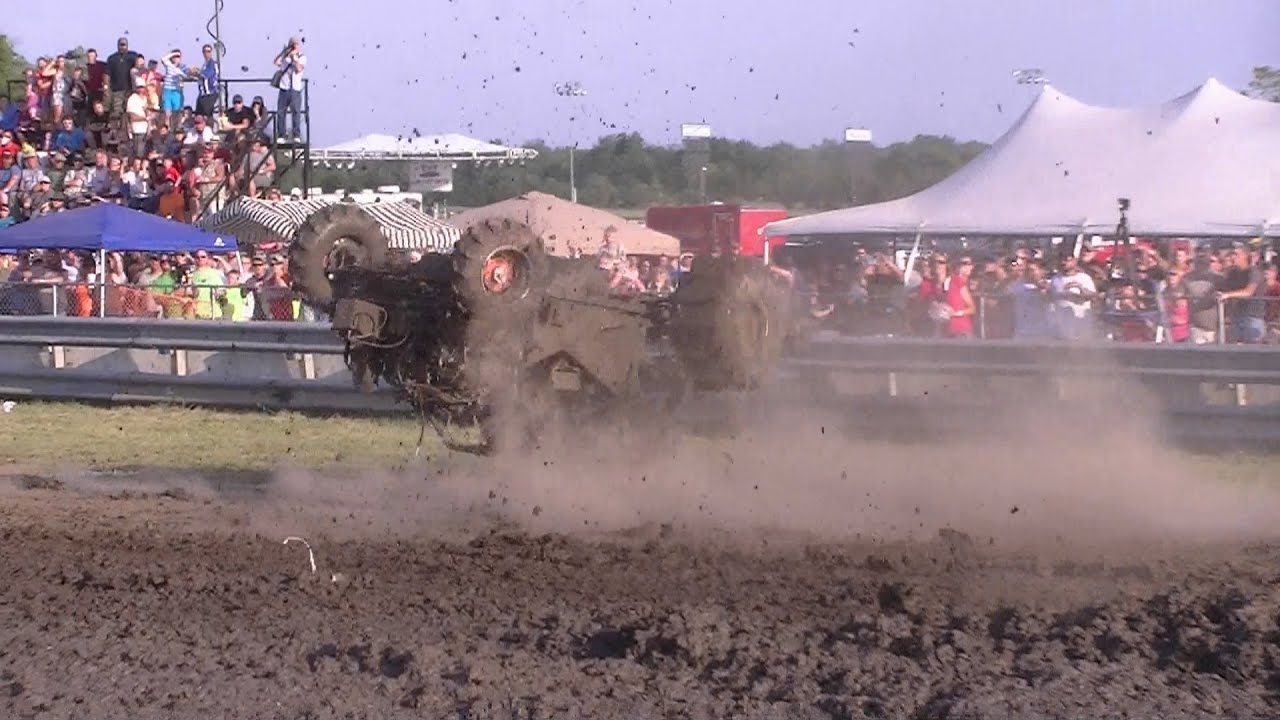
{"x": 292, "y": 365}
{"x": 996, "y": 317}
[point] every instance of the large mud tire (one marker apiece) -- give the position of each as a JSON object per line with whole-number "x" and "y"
{"x": 499, "y": 266}
{"x": 342, "y": 234}
{"x": 731, "y": 326}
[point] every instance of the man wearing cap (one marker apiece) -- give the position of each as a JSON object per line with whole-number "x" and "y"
{"x": 239, "y": 118}
{"x": 253, "y": 286}
{"x": 37, "y": 201}
{"x": 138, "y": 121}
{"x": 30, "y": 174}
{"x": 200, "y": 133}
{"x": 119, "y": 78}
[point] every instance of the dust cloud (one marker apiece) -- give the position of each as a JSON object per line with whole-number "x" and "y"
{"x": 1092, "y": 473}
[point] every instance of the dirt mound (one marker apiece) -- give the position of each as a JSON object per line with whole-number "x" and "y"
{"x": 161, "y": 604}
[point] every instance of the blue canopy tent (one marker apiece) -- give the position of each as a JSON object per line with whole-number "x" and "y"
{"x": 107, "y": 227}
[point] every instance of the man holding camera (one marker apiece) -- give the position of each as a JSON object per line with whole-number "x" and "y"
{"x": 292, "y": 63}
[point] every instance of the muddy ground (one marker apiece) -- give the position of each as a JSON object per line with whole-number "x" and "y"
{"x": 142, "y": 601}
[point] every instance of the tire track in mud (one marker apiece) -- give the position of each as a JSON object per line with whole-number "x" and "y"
{"x": 165, "y": 606}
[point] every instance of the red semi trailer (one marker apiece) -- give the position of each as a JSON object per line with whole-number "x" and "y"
{"x": 727, "y": 227}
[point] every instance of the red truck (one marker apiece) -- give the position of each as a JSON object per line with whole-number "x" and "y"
{"x": 703, "y": 227}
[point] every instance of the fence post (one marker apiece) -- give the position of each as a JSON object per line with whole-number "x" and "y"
{"x": 308, "y": 366}
{"x": 1222, "y": 321}
{"x": 982, "y": 317}
{"x": 178, "y": 362}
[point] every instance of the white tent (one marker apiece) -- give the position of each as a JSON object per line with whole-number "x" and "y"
{"x": 450, "y": 146}
{"x": 1203, "y": 164}
{"x": 266, "y": 221}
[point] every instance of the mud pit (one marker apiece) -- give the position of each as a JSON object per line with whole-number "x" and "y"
{"x": 477, "y": 590}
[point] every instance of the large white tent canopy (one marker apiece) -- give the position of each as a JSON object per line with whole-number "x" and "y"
{"x": 1203, "y": 164}
{"x": 450, "y": 146}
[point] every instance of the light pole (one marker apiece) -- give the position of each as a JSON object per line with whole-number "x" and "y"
{"x": 573, "y": 88}
{"x": 854, "y": 138}
{"x": 697, "y": 137}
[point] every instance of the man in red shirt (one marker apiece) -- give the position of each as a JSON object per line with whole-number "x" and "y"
{"x": 95, "y": 76}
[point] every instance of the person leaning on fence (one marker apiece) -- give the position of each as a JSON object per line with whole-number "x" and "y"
{"x": 1243, "y": 290}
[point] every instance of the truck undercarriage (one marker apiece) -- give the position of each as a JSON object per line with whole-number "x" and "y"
{"x": 501, "y": 336}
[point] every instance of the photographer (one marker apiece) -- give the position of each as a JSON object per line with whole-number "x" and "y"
{"x": 288, "y": 80}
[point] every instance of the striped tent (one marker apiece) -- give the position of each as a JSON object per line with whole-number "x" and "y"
{"x": 258, "y": 222}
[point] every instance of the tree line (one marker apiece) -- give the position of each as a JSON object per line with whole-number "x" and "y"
{"x": 625, "y": 171}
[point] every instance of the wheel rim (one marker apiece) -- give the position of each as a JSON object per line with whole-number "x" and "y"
{"x": 505, "y": 273}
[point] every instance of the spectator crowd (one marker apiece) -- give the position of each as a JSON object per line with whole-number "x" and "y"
{"x": 120, "y": 130}
{"x": 191, "y": 286}
{"x": 1204, "y": 294}
{"x": 87, "y": 130}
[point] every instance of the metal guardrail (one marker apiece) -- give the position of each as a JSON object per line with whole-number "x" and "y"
{"x": 243, "y": 350}
{"x": 1206, "y": 363}
{"x": 145, "y": 334}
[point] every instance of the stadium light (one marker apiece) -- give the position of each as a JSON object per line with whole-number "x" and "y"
{"x": 1030, "y": 76}
{"x": 573, "y": 88}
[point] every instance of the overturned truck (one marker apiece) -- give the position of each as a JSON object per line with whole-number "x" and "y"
{"x": 501, "y": 335}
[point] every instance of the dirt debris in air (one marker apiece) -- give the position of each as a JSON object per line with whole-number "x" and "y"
{"x": 835, "y": 580}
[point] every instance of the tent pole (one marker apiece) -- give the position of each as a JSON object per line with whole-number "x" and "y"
{"x": 912, "y": 257}
{"x": 102, "y": 282}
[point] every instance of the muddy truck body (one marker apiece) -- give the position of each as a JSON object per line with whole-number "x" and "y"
{"x": 500, "y": 328}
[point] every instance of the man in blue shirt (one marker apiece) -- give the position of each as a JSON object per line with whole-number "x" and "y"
{"x": 8, "y": 114}
{"x": 69, "y": 138}
{"x": 207, "y": 99}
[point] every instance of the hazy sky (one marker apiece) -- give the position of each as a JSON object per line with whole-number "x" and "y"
{"x": 798, "y": 71}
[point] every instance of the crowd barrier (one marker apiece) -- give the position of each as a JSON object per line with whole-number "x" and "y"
{"x": 1209, "y": 392}
{"x": 219, "y": 302}
{"x": 993, "y": 319}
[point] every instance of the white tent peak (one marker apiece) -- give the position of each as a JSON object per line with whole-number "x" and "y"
{"x": 1204, "y": 163}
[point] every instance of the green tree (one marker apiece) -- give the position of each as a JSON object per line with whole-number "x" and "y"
{"x": 11, "y": 66}
{"x": 1265, "y": 83}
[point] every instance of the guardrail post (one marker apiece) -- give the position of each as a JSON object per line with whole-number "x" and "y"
{"x": 893, "y": 384}
{"x": 308, "y": 366}
{"x": 1222, "y": 321}
{"x": 58, "y": 356}
{"x": 1242, "y": 394}
{"x": 178, "y": 362}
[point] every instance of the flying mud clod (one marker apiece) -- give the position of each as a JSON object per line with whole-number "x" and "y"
{"x": 500, "y": 328}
